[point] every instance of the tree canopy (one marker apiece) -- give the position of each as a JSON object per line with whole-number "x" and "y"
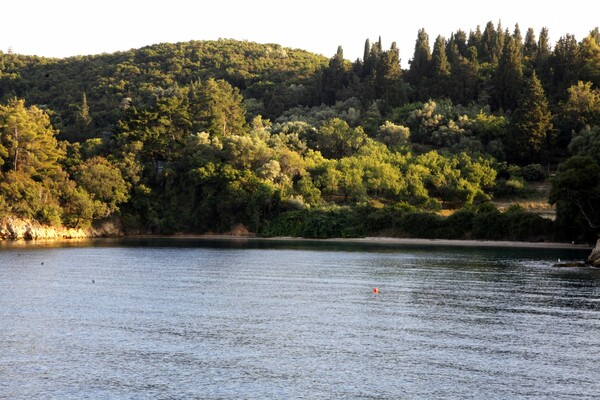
{"x": 205, "y": 135}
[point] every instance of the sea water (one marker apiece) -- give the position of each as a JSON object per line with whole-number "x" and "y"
{"x": 151, "y": 319}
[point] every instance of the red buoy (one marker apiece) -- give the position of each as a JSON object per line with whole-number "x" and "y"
{"x": 375, "y": 290}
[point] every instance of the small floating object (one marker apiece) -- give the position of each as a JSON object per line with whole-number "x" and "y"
{"x": 375, "y": 290}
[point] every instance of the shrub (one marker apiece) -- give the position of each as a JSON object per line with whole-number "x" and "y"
{"x": 533, "y": 173}
{"x": 458, "y": 225}
{"x": 421, "y": 224}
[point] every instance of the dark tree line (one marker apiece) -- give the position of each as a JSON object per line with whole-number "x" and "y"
{"x": 203, "y": 136}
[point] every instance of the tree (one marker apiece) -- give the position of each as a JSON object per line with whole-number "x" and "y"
{"x": 590, "y": 58}
{"x": 587, "y": 143}
{"x": 475, "y": 39}
{"x": 217, "y": 108}
{"x": 542, "y": 58}
{"x": 83, "y": 120}
{"x": 576, "y": 193}
{"x": 29, "y": 198}
{"x": 336, "y": 139}
{"x": 104, "y": 183}
{"x": 337, "y": 78}
{"x": 440, "y": 69}
{"x": 492, "y": 42}
{"x": 529, "y": 47}
{"x": 394, "y": 136}
{"x": 27, "y": 140}
{"x": 388, "y": 78}
{"x": 531, "y": 131}
{"x": 518, "y": 38}
{"x": 421, "y": 62}
{"x": 565, "y": 64}
{"x": 582, "y": 108}
{"x": 509, "y": 76}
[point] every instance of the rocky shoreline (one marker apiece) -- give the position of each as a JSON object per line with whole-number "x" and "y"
{"x": 594, "y": 257}
{"x": 25, "y": 229}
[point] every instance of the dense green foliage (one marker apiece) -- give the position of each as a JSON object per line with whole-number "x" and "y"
{"x": 205, "y": 136}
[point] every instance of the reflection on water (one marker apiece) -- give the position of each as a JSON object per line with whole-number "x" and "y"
{"x": 239, "y": 319}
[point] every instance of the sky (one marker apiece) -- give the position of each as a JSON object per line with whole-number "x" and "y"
{"x": 63, "y": 28}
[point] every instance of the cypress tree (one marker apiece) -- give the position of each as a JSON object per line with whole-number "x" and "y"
{"x": 83, "y": 122}
{"x": 518, "y": 38}
{"x": 499, "y": 42}
{"x": 367, "y": 61}
{"x": 460, "y": 38}
{"x": 336, "y": 77}
{"x": 530, "y": 46}
{"x": 532, "y": 131}
{"x": 452, "y": 52}
{"x": 420, "y": 64}
{"x": 488, "y": 43}
{"x": 475, "y": 39}
{"x": 565, "y": 65}
{"x": 440, "y": 69}
{"x": 543, "y": 46}
{"x": 509, "y": 76}
{"x": 388, "y": 78}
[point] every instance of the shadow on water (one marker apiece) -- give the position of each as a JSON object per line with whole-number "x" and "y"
{"x": 333, "y": 245}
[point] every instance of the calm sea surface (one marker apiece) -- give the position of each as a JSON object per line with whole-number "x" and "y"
{"x": 168, "y": 319}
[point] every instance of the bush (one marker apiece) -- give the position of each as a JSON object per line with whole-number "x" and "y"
{"x": 421, "y": 224}
{"x": 524, "y": 225}
{"x": 318, "y": 224}
{"x": 489, "y": 223}
{"x": 510, "y": 187}
{"x": 458, "y": 225}
{"x": 383, "y": 220}
{"x": 533, "y": 173}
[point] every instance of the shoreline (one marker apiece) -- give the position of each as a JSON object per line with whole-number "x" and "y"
{"x": 386, "y": 240}
{"x": 364, "y": 240}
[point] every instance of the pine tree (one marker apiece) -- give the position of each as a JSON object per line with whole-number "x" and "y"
{"x": 532, "y": 132}
{"x": 216, "y": 107}
{"x": 27, "y": 140}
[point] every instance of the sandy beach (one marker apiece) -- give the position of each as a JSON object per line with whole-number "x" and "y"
{"x": 388, "y": 241}
{"x": 407, "y": 241}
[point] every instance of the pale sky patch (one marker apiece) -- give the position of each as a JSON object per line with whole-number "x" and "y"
{"x": 62, "y": 28}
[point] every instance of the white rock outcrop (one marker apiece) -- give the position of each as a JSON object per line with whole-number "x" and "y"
{"x": 23, "y": 229}
{"x": 594, "y": 258}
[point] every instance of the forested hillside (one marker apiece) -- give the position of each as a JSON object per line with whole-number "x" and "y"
{"x": 205, "y": 136}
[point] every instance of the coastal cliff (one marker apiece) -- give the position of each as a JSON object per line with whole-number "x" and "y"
{"x": 26, "y": 229}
